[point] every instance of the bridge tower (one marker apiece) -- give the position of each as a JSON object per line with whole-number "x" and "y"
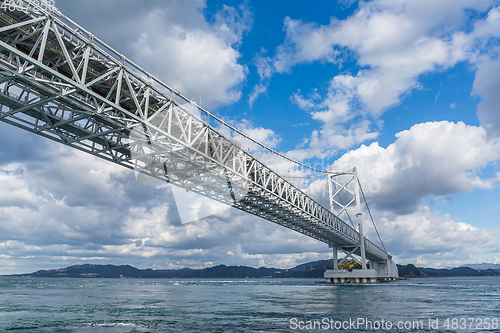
{"x": 344, "y": 197}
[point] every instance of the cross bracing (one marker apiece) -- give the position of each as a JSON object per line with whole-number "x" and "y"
{"x": 57, "y": 80}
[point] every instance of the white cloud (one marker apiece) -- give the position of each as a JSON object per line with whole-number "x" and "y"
{"x": 175, "y": 42}
{"x": 331, "y": 138}
{"x": 488, "y": 28}
{"x": 346, "y": 3}
{"x": 487, "y": 85}
{"x": 256, "y": 91}
{"x": 59, "y": 207}
{"x": 233, "y": 23}
{"x": 64, "y": 207}
{"x": 394, "y": 43}
{"x": 396, "y": 40}
{"x": 429, "y": 238}
{"x": 263, "y": 135}
{"x": 304, "y": 42}
{"x": 199, "y": 62}
{"x": 52, "y": 216}
{"x": 429, "y": 159}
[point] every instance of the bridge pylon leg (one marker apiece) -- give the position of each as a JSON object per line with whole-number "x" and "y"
{"x": 336, "y": 275}
{"x": 335, "y": 258}
{"x": 360, "y": 221}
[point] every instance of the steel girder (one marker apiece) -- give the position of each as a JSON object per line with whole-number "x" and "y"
{"x": 58, "y": 81}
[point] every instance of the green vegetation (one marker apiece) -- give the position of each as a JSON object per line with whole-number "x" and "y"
{"x": 350, "y": 265}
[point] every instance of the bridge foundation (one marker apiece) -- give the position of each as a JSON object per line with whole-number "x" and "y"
{"x": 357, "y": 276}
{"x": 381, "y": 271}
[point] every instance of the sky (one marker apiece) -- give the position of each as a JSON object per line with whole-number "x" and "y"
{"x": 406, "y": 91}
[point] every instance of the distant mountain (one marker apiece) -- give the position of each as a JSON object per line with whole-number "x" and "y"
{"x": 313, "y": 269}
{"x": 410, "y": 271}
{"x": 483, "y": 266}
{"x": 310, "y": 270}
{"x": 459, "y": 271}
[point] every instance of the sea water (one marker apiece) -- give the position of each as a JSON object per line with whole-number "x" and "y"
{"x": 466, "y": 304}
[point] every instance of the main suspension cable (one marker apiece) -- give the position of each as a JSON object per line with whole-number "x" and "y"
{"x": 371, "y": 217}
{"x": 304, "y": 177}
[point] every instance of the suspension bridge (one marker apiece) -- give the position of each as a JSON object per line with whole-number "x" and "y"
{"x": 61, "y": 82}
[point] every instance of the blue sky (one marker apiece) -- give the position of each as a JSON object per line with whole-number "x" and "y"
{"x": 405, "y": 90}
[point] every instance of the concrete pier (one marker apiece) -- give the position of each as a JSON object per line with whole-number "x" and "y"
{"x": 358, "y": 276}
{"x": 381, "y": 271}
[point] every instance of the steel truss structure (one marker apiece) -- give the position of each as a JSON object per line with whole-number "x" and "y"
{"x": 337, "y": 191}
{"x": 59, "y": 81}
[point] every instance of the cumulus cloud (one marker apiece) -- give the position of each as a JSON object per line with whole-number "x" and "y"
{"x": 62, "y": 207}
{"x": 263, "y": 135}
{"x": 487, "y": 85}
{"x": 232, "y": 23}
{"x": 436, "y": 239}
{"x": 198, "y": 62}
{"x": 429, "y": 159}
{"x": 59, "y": 206}
{"x": 176, "y": 43}
{"x": 331, "y": 138}
{"x": 256, "y": 91}
{"x": 394, "y": 43}
{"x": 396, "y": 40}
